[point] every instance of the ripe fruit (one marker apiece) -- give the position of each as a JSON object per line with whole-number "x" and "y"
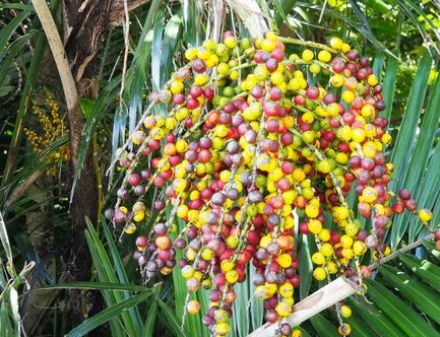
{"x": 344, "y": 329}
{"x": 425, "y": 215}
{"x": 251, "y": 146}
{"x": 320, "y": 274}
{"x": 345, "y": 311}
{"x": 193, "y": 307}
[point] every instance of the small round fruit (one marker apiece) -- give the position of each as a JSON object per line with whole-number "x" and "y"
{"x": 345, "y": 311}
{"x": 193, "y": 307}
{"x": 324, "y": 56}
{"x": 318, "y": 258}
{"x": 344, "y": 329}
{"x": 425, "y": 215}
{"x": 307, "y": 55}
{"x": 319, "y": 274}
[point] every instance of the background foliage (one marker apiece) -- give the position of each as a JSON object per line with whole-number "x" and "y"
{"x": 35, "y": 225}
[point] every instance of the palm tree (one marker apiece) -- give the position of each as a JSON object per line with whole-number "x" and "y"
{"x": 115, "y": 53}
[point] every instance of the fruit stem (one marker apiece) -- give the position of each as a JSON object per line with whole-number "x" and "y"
{"x": 408, "y": 247}
{"x": 290, "y": 40}
{"x": 97, "y": 168}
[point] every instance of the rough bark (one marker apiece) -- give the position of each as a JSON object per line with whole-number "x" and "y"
{"x": 83, "y": 31}
{"x": 85, "y": 22}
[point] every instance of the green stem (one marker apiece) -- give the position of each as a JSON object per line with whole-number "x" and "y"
{"x": 408, "y": 247}
{"x": 97, "y": 168}
{"x": 310, "y": 44}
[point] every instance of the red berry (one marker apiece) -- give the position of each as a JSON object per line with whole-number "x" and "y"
{"x": 404, "y": 194}
{"x": 141, "y": 241}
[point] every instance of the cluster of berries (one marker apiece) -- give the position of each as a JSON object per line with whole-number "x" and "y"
{"x": 52, "y": 128}
{"x": 256, "y": 146}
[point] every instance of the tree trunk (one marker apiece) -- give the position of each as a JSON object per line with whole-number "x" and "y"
{"x": 83, "y": 29}
{"x": 84, "y": 25}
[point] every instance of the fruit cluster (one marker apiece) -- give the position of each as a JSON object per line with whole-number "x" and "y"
{"x": 261, "y": 140}
{"x": 50, "y": 118}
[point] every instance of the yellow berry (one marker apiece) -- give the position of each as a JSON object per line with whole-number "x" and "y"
{"x": 200, "y": 79}
{"x": 308, "y": 117}
{"x": 181, "y": 145}
{"x": 324, "y": 56}
{"x": 296, "y": 333}
{"x": 221, "y": 316}
{"x": 319, "y": 274}
{"x": 298, "y": 174}
{"x": 182, "y": 114}
{"x": 368, "y": 110}
{"x": 277, "y": 78}
{"x": 222, "y": 329}
{"x": 223, "y": 68}
{"x": 286, "y": 290}
{"x": 315, "y": 226}
{"x": 212, "y": 61}
{"x": 326, "y": 250}
{"x": 372, "y": 80}
{"x": 347, "y": 253}
{"x": 307, "y": 55}
{"x": 345, "y": 311}
{"x": 345, "y": 48}
{"x": 369, "y": 194}
{"x": 425, "y": 215}
{"x": 130, "y": 228}
{"x": 285, "y": 260}
{"x": 324, "y": 236}
{"x": 341, "y": 158}
{"x": 170, "y": 123}
{"x": 179, "y": 185}
{"x": 176, "y": 86}
{"x": 230, "y": 42}
{"x": 346, "y": 241}
{"x": 318, "y": 258}
{"x": 331, "y": 267}
{"x": 283, "y": 309}
{"x": 268, "y": 45}
{"x": 386, "y": 138}
{"x": 210, "y": 44}
{"x": 359, "y": 248}
{"x": 227, "y": 265}
{"x": 336, "y": 43}
{"x": 232, "y": 241}
{"x": 203, "y": 53}
{"x": 344, "y": 329}
{"x": 358, "y": 135}
{"x": 207, "y": 254}
{"x": 188, "y": 271}
{"x": 139, "y": 216}
{"x": 348, "y": 96}
{"x": 232, "y": 276}
{"x": 191, "y": 54}
{"x": 315, "y": 68}
{"x": 234, "y": 75}
{"x": 138, "y": 137}
{"x": 337, "y": 80}
{"x": 344, "y": 133}
{"x": 324, "y": 166}
{"x": 351, "y": 229}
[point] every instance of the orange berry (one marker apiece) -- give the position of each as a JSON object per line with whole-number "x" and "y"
{"x": 193, "y": 307}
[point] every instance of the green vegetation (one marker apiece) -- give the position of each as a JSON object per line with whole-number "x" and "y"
{"x": 67, "y": 270}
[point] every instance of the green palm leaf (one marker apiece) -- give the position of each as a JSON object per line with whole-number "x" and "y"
{"x": 107, "y": 314}
{"x": 424, "y": 297}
